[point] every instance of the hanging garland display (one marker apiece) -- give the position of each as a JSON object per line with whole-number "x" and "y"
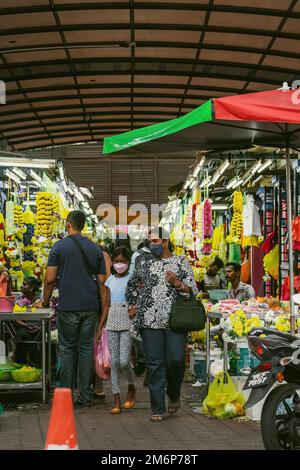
{"x": 44, "y": 214}
{"x": 2, "y": 240}
{"x": 29, "y": 258}
{"x": 9, "y": 225}
{"x": 207, "y": 228}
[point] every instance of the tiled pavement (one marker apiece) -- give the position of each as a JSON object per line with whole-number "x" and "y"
{"x": 98, "y": 429}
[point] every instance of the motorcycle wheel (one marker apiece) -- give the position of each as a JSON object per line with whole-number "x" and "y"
{"x": 280, "y": 418}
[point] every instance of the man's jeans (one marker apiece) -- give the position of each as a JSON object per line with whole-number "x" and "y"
{"x": 76, "y": 336}
{"x": 165, "y": 362}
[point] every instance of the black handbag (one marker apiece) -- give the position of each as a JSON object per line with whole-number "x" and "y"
{"x": 187, "y": 315}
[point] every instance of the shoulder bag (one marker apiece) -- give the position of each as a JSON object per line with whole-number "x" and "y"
{"x": 187, "y": 315}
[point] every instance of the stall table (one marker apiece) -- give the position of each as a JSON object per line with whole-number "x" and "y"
{"x": 45, "y": 316}
{"x": 220, "y": 315}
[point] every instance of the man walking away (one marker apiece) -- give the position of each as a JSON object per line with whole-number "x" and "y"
{"x": 80, "y": 266}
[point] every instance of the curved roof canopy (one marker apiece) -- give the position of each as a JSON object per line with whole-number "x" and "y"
{"x": 83, "y": 70}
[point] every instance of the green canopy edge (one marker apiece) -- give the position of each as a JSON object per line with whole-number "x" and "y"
{"x": 129, "y": 139}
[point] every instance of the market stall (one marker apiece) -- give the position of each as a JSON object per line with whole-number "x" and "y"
{"x": 33, "y": 210}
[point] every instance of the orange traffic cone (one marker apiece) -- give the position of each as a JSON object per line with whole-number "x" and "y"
{"x": 61, "y": 431}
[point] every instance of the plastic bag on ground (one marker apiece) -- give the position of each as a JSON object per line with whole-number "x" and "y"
{"x": 223, "y": 400}
{"x": 102, "y": 356}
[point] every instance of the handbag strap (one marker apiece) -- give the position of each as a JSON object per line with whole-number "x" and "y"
{"x": 85, "y": 260}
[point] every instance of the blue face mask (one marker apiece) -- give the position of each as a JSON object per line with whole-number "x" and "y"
{"x": 156, "y": 250}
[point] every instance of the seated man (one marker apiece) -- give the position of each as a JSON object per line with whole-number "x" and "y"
{"x": 239, "y": 290}
{"x": 212, "y": 278}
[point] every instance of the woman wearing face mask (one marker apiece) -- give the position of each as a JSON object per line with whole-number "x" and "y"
{"x": 116, "y": 317}
{"x": 153, "y": 289}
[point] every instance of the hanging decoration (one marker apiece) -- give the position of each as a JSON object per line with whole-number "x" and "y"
{"x": 9, "y": 225}
{"x": 2, "y": 240}
{"x": 44, "y": 217}
{"x": 29, "y": 258}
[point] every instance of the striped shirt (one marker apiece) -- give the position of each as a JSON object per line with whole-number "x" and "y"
{"x": 242, "y": 293}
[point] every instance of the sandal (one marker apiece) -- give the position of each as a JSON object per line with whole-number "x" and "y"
{"x": 173, "y": 406}
{"x": 156, "y": 418}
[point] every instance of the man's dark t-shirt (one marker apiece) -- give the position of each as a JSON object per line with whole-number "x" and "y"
{"x": 77, "y": 289}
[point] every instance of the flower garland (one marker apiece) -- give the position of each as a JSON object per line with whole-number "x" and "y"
{"x": 2, "y": 240}
{"x": 29, "y": 258}
{"x": 10, "y": 224}
{"x": 44, "y": 202}
{"x": 18, "y": 215}
{"x": 207, "y": 228}
{"x": 236, "y": 226}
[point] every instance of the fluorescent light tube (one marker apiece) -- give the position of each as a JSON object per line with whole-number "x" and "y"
{"x": 255, "y": 167}
{"x": 27, "y": 162}
{"x": 206, "y": 182}
{"x": 220, "y": 207}
{"x": 12, "y": 176}
{"x": 238, "y": 183}
{"x": 198, "y": 167}
{"x": 264, "y": 166}
{"x": 35, "y": 176}
{"x": 20, "y": 173}
{"x": 231, "y": 183}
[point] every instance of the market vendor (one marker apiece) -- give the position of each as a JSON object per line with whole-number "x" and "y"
{"x": 239, "y": 290}
{"x": 29, "y": 330}
{"x": 212, "y": 278}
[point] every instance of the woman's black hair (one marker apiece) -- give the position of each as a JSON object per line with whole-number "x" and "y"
{"x": 33, "y": 282}
{"x": 123, "y": 251}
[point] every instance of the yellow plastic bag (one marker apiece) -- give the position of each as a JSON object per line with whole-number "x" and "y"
{"x": 271, "y": 263}
{"x": 223, "y": 400}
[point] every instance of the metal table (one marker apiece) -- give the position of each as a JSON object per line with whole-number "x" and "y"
{"x": 44, "y": 315}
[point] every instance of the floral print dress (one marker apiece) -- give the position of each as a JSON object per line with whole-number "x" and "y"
{"x": 152, "y": 294}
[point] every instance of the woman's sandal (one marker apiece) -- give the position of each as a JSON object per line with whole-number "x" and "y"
{"x": 156, "y": 418}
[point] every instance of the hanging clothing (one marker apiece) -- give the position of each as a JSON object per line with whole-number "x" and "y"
{"x": 251, "y": 219}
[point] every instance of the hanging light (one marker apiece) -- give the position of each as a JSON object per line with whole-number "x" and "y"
{"x": 35, "y": 176}
{"x": 12, "y": 176}
{"x": 231, "y": 182}
{"x": 20, "y": 173}
{"x": 220, "y": 171}
{"x": 264, "y": 166}
{"x": 207, "y": 182}
{"x": 198, "y": 167}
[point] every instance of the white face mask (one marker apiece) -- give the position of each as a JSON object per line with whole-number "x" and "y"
{"x": 120, "y": 267}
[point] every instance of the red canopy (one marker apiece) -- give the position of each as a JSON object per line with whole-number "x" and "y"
{"x": 272, "y": 106}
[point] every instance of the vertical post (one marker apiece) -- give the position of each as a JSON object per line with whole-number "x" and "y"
{"x": 207, "y": 350}
{"x": 290, "y": 240}
{"x": 44, "y": 360}
{"x": 49, "y": 352}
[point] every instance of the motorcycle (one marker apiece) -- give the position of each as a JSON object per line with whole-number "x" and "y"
{"x": 279, "y": 370}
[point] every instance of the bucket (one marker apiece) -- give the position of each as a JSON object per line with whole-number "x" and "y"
{"x": 243, "y": 355}
{"x": 7, "y": 304}
{"x": 199, "y": 359}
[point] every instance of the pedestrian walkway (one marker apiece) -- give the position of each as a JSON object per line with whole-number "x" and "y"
{"x": 97, "y": 429}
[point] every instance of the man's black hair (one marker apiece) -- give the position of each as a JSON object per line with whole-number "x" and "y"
{"x": 236, "y": 266}
{"x": 77, "y": 220}
{"x": 218, "y": 262}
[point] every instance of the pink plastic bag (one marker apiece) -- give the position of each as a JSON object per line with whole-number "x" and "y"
{"x": 102, "y": 356}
